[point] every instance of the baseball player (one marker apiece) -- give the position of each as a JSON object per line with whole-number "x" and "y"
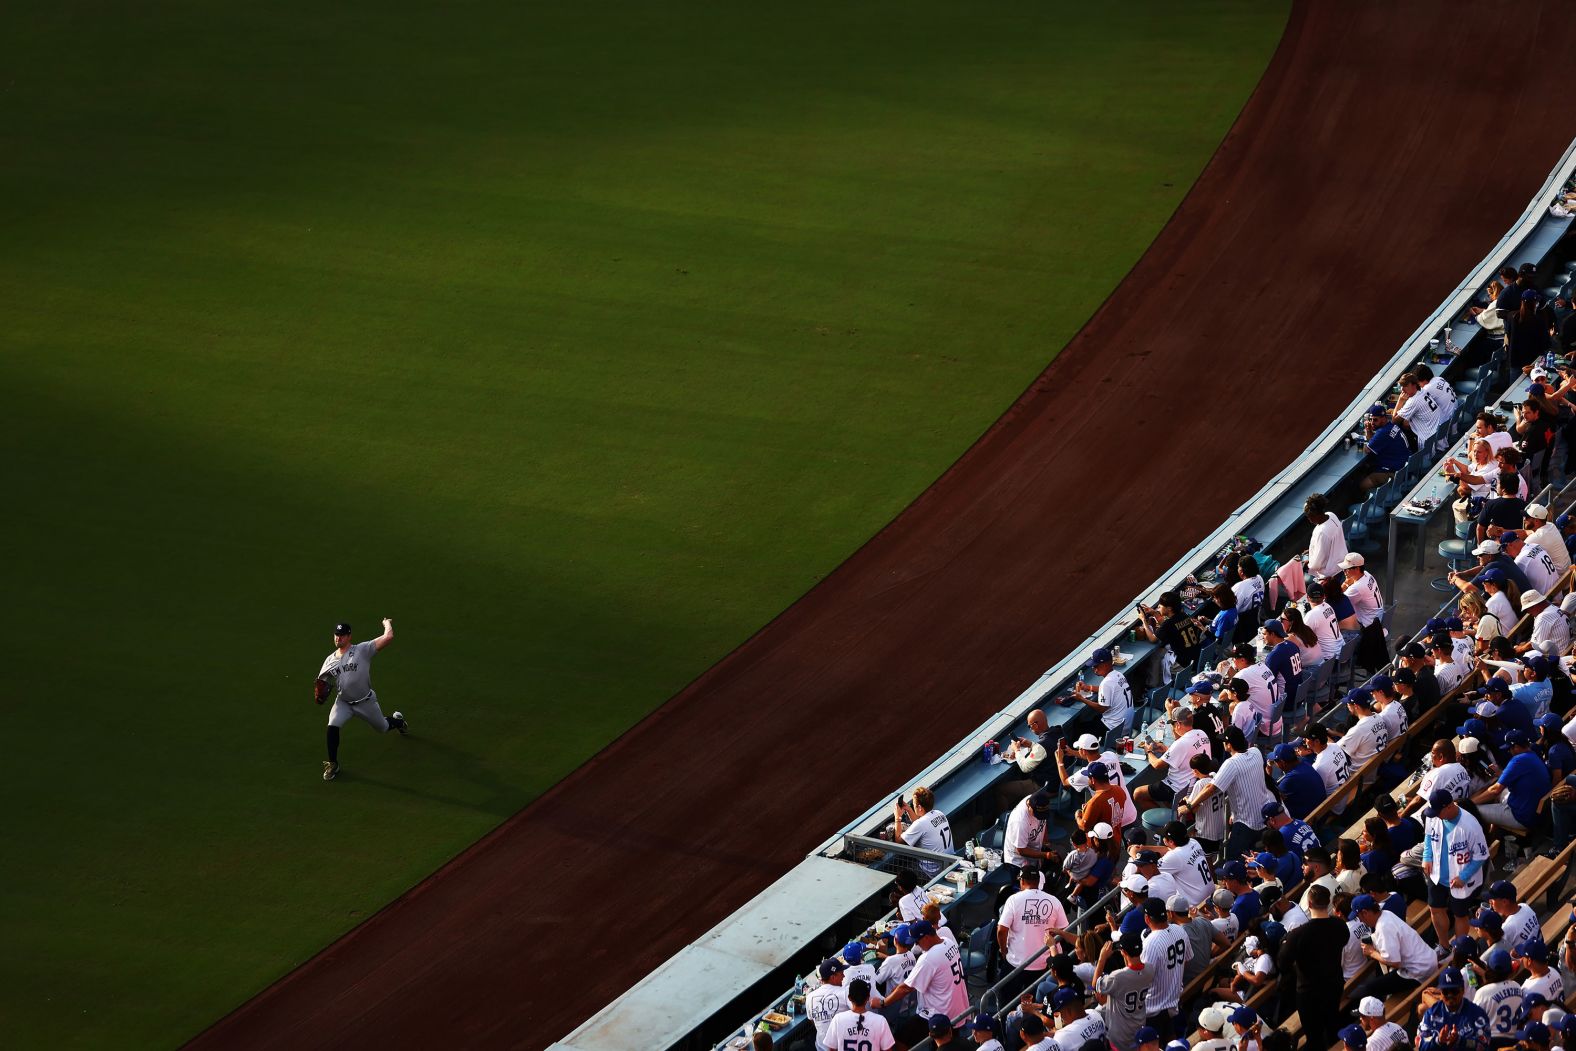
{"x": 347, "y": 673}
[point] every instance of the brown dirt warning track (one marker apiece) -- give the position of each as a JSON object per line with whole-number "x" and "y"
{"x": 1382, "y": 155}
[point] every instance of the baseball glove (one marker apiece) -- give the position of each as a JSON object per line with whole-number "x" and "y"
{"x": 322, "y": 686}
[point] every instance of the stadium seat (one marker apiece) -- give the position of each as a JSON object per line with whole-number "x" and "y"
{"x": 1454, "y": 552}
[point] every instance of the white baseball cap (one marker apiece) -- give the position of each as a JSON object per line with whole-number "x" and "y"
{"x": 1532, "y": 597}
{"x": 1250, "y": 944}
{"x": 1135, "y": 883}
{"x": 1352, "y": 560}
{"x": 1102, "y": 831}
{"x": 1087, "y": 743}
{"x": 1569, "y": 605}
{"x": 1371, "y": 1006}
{"x": 1212, "y": 1019}
{"x": 1487, "y": 547}
{"x": 1537, "y": 511}
{"x": 1467, "y": 745}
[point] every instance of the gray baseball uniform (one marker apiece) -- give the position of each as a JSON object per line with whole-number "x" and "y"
{"x": 352, "y": 675}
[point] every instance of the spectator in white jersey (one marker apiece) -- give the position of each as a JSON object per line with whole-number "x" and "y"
{"x": 827, "y": 1000}
{"x": 1113, "y": 698}
{"x": 1241, "y": 779}
{"x": 1421, "y": 410}
{"x": 1535, "y": 563}
{"x": 1551, "y": 633}
{"x": 1319, "y": 615}
{"x": 921, "y": 825}
{"x": 1172, "y": 762}
{"x": 1327, "y": 546}
{"x": 1382, "y": 1035}
{"x": 1544, "y": 533}
{"x": 858, "y": 1027}
{"x": 1362, "y": 591}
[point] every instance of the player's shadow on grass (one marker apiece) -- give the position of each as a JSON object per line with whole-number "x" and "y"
{"x": 494, "y": 796}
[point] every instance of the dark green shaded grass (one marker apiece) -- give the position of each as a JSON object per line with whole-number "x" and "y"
{"x": 581, "y": 341}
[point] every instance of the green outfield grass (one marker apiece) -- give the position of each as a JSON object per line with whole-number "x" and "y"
{"x": 580, "y": 339}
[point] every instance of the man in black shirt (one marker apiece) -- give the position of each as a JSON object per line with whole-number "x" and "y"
{"x": 1506, "y": 509}
{"x": 1168, "y": 624}
{"x": 1310, "y": 964}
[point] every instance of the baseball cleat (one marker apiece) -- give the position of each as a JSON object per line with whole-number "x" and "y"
{"x": 330, "y": 770}
{"x": 400, "y": 724}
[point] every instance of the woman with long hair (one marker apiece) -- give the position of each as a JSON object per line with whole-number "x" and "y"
{"x": 1483, "y": 625}
{"x": 1349, "y": 869}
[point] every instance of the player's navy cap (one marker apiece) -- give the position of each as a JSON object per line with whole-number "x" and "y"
{"x": 1233, "y": 869}
{"x": 1283, "y": 753}
{"x": 1362, "y": 697}
{"x": 1101, "y": 655}
{"x": 854, "y": 952}
{"x": 1454, "y": 624}
{"x": 1155, "y": 908}
{"x": 1414, "y": 650}
{"x": 1315, "y": 591}
{"x": 1536, "y": 1032}
{"x": 1519, "y": 738}
{"x": 1381, "y": 683}
{"x": 1040, "y": 802}
{"x": 1502, "y": 888}
{"x": 1384, "y": 804}
{"x": 1472, "y": 728}
{"x": 1131, "y": 944}
{"x": 1275, "y": 627}
{"x": 1464, "y": 943}
{"x": 1203, "y": 687}
{"x": 940, "y": 1024}
{"x": 1032, "y": 1023}
{"x": 830, "y": 967}
{"x": 1530, "y": 1001}
{"x": 1438, "y": 800}
{"x": 1354, "y": 1037}
{"x": 1493, "y": 574}
{"x": 1562, "y": 521}
{"x": 341, "y": 628}
{"x": 1490, "y": 921}
{"x": 1097, "y": 772}
{"x": 1264, "y": 860}
{"x": 1365, "y": 903}
{"x": 1550, "y": 721}
{"x": 1378, "y": 408}
{"x": 1404, "y": 677}
{"x": 980, "y": 1024}
{"x": 1274, "y": 807}
{"x": 902, "y": 934}
{"x": 1244, "y": 1016}
{"x": 1064, "y": 997}
{"x": 1147, "y": 1034}
{"x": 1533, "y": 949}
{"x": 922, "y": 929}
{"x": 1497, "y": 960}
{"x": 1433, "y": 626}
{"x": 1450, "y": 978}
{"x": 1147, "y": 857}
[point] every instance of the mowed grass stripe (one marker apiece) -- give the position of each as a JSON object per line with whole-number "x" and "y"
{"x": 580, "y": 340}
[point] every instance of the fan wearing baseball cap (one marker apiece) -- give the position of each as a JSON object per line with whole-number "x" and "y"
{"x": 1382, "y": 1035}
{"x": 1546, "y": 534}
{"x": 827, "y": 1000}
{"x": 1544, "y": 980}
{"x": 858, "y": 1026}
{"x": 1455, "y": 852}
{"x": 1453, "y": 1023}
{"x": 1404, "y": 959}
{"x": 1113, "y": 698}
{"x": 1524, "y": 781}
{"x": 1087, "y": 748}
{"x": 1122, "y": 983}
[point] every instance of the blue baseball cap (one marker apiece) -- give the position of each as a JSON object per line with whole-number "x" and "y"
{"x": 854, "y": 952}
{"x": 1497, "y": 685}
{"x": 1454, "y": 624}
{"x": 1497, "y": 960}
{"x": 1147, "y": 1034}
{"x": 1519, "y": 738}
{"x": 1450, "y": 978}
{"x": 1281, "y": 753}
{"x": 1433, "y": 626}
{"x": 1274, "y": 807}
{"x": 1233, "y": 869}
{"x": 1147, "y": 857}
{"x": 1362, "y": 697}
{"x": 1438, "y": 800}
{"x": 980, "y": 1024}
{"x": 1274, "y": 627}
{"x": 1097, "y": 772}
{"x": 1244, "y": 1016}
{"x": 1099, "y": 656}
{"x": 1472, "y": 728}
{"x": 940, "y": 1024}
{"x": 1202, "y": 687}
{"x": 1464, "y": 942}
{"x": 1378, "y": 408}
{"x": 1381, "y": 683}
{"x": 1064, "y": 997}
{"x": 921, "y": 929}
{"x": 1531, "y": 295}
{"x": 1509, "y": 536}
{"x": 1550, "y": 721}
{"x": 1536, "y": 1032}
{"x": 831, "y": 966}
{"x": 1534, "y": 949}
{"x": 901, "y": 933}
{"x": 1490, "y": 921}
{"x": 1561, "y": 521}
{"x": 1502, "y": 888}
{"x": 1364, "y": 903}
{"x": 1353, "y": 1036}
{"x": 1264, "y": 860}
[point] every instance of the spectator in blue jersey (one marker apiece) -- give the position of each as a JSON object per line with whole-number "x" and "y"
{"x": 1512, "y": 801}
{"x": 1388, "y": 448}
{"x": 1558, "y": 755}
{"x": 1374, "y": 839}
{"x": 1454, "y": 1023}
{"x": 1245, "y": 905}
{"x": 1341, "y": 606}
{"x": 1512, "y": 712}
{"x": 1405, "y": 832}
{"x": 1282, "y": 657}
{"x": 1287, "y": 862}
{"x": 1301, "y": 788}
{"x": 1535, "y": 691}
{"x": 1222, "y": 611}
